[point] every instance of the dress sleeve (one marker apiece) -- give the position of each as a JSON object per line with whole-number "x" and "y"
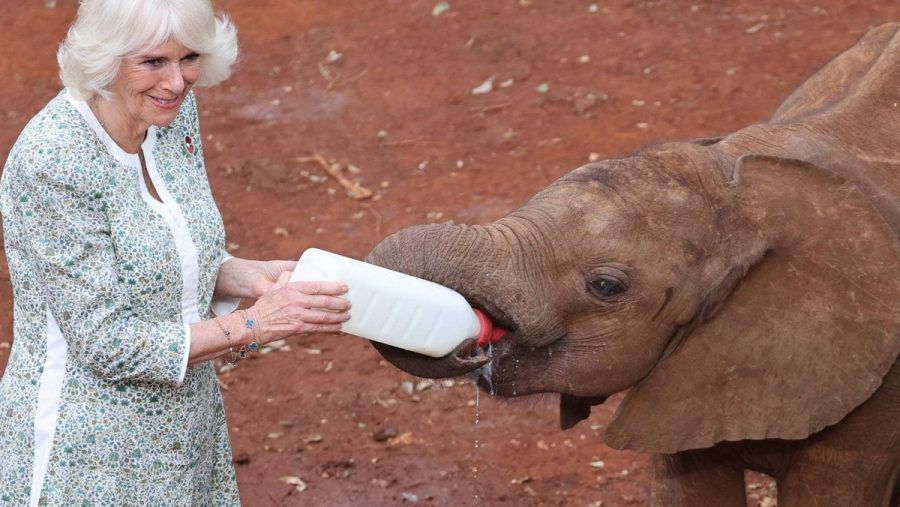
{"x": 71, "y": 251}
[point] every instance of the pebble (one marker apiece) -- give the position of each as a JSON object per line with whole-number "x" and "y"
{"x": 385, "y": 434}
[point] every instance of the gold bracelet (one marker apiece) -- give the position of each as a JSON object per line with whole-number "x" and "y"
{"x": 227, "y": 333}
{"x": 253, "y": 346}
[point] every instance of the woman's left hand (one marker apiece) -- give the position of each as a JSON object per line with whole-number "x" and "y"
{"x": 268, "y": 276}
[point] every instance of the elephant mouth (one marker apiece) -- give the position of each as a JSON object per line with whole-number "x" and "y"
{"x": 489, "y": 376}
{"x": 498, "y": 378}
{"x": 505, "y": 371}
{"x": 499, "y": 375}
{"x": 498, "y": 350}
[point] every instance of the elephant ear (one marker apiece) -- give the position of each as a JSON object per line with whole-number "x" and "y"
{"x": 801, "y": 339}
{"x": 833, "y": 83}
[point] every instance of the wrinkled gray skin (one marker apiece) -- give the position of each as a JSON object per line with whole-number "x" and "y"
{"x": 745, "y": 290}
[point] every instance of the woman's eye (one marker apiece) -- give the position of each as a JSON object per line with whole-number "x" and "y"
{"x": 153, "y": 62}
{"x": 606, "y": 287}
{"x": 193, "y": 57}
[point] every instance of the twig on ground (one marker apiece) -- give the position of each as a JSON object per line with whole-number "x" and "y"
{"x": 353, "y": 188}
{"x": 413, "y": 141}
{"x": 350, "y": 79}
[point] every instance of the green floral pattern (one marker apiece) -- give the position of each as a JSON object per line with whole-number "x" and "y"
{"x": 86, "y": 243}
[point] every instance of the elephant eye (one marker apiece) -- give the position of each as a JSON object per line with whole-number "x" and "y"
{"x": 605, "y": 286}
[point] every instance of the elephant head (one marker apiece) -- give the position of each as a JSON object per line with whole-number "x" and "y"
{"x": 736, "y": 297}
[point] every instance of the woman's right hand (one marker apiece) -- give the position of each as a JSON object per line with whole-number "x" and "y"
{"x": 292, "y": 308}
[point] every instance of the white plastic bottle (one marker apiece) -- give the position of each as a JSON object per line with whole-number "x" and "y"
{"x": 399, "y": 309}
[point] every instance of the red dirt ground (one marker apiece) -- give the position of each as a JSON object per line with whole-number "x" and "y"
{"x": 398, "y": 106}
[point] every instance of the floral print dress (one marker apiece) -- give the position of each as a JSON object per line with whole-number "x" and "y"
{"x": 97, "y": 404}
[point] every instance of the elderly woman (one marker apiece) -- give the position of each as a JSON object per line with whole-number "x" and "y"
{"x": 115, "y": 250}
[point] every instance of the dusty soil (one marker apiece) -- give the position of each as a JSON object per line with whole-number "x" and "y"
{"x": 571, "y": 81}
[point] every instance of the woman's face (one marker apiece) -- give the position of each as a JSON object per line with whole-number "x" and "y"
{"x": 152, "y": 84}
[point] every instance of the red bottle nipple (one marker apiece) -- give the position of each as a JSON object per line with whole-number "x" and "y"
{"x": 489, "y": 332}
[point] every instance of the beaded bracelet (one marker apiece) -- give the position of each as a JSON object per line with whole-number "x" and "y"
{"x": 231, "y": 352}
{"x": 253, "y": 346}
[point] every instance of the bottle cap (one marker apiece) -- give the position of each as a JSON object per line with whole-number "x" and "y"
{"x": 489, "y": 332}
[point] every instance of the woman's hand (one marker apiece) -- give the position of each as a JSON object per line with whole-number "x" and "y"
{"x": 298, "y": 308}
{"x": 268, "y": 275}
{"x": 242, "y": 278}
{"x": 285, "y": 309}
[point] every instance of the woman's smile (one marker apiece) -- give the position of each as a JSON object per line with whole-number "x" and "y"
{"x": 166, "y": 104}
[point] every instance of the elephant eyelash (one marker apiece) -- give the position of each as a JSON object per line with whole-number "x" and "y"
{"x": 606, "y": 287}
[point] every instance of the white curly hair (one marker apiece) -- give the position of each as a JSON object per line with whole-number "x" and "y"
{"x": 107, "y": 31}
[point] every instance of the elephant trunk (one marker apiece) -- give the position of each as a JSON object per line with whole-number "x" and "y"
{"x": 456, "y": 256}
{"x": 437, "y": 252}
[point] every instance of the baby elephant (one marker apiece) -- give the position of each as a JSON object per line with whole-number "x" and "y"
{"x": 745, "y": 289}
